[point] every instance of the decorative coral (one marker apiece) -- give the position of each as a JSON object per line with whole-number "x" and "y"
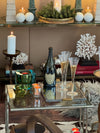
{"x": 86, "y": 46}
{"x": 20, "y": 59}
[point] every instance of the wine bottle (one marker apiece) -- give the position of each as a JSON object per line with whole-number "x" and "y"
{"x": 50, "y": 76}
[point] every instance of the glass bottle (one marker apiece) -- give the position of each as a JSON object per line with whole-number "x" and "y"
{"x": 50, "y": 76}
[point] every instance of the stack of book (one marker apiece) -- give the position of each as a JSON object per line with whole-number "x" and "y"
{"x": 85, "y": 70}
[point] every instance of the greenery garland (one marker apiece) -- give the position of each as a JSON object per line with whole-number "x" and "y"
{"x": 49, "y": 12}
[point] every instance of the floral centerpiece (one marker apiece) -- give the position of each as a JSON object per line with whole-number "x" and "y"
{"x": 48, "y": 14}
{"x": 85, "y": 47}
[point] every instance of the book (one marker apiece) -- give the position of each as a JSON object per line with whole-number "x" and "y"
{"x": 84, "y": 72}
{"x": 87, "y": 68}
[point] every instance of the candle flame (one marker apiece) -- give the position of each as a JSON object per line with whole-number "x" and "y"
{"x": 56, "y": 4}
{"x": 75, "y": 129}
{"x": 12, "y": 33}
{"x": 22, "y": 8}
{"x": 88, "y": 7}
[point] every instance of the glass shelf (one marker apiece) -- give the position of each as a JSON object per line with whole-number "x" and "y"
{"x": 37, "y": 23}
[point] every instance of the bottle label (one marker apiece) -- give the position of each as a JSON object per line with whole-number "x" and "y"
{"x": 49, "y": 78}
{"x": 49, "y": 94}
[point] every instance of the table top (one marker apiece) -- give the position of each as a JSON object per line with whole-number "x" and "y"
{"x": 62, "y": 101}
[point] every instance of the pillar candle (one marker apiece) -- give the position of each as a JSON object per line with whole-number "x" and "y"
{"x": 57, "y": 5}
{"x": 11, "y": 44}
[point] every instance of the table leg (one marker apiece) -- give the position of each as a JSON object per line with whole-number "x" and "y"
{"x": 6, "y": 113}
{"x": 10, "y": 70}
{"x": 83, "y": 119}
{"x": 31, "y": 127}
{"x": 81, "y": 127}
{"x": 86, "y": 121}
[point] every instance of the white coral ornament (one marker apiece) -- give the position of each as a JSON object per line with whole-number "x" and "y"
{"x": 85, "y": 47}
{"x": 20, "y": 59}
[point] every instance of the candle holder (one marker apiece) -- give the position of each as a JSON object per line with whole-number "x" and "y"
{"x": 11, "y": 56}
{"x": 32, "y": 7}
{"x": 78, "y": 6}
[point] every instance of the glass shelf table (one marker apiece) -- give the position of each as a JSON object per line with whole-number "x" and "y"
{"x": 30, "y": 102}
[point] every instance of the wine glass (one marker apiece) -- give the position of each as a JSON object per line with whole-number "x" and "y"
{"x": 64, "y": 56}
{"x": 73, "y": 65}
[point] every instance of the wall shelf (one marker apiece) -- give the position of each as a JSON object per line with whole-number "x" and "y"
{"x": 37, "y": 23}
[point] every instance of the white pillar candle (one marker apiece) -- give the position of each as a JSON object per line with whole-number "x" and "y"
{"x": 11, "y": 44}
{"x": 57, "y": 5}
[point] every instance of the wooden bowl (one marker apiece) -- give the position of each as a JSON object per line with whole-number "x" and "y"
{"x": 56, "y": 21}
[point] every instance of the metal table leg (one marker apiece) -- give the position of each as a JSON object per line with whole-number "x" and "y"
{"x": 86, "y": 122}
{"x": 6, "y": 113}
{"x": 81, "y": 127}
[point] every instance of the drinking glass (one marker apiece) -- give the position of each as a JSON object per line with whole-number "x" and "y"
{"x": 73, "y": 65}
{"x": 64, "y": 56}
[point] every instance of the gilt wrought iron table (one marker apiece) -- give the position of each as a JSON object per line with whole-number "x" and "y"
{"x": 30, "y": 102}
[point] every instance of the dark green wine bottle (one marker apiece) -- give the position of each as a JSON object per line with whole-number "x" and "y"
{"x": 50, "y": 76}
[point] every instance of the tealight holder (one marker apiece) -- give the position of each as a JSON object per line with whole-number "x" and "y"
{"x": 23, "y": 77}
{"x": 75, "y": 130}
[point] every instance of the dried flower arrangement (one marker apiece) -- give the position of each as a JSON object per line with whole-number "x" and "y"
{"x": 85, "y": 47}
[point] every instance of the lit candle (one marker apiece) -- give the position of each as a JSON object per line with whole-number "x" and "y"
{"x": 88, "y": 9}
{"x": 22, "y": 10}
{"x": 75, "y": 130}
{"x": 57, "y": 5}
{"x": 11, "y": 44}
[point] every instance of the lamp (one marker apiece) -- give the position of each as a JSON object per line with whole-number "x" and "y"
{"x": 78, "y": 7}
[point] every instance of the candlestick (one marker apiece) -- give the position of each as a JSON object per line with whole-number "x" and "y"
{"x": 11, "y": 44}
{"x": 78, "y": 7}
{"x": 11, "y": 57}
{"x": 57, "y": 5}
{"x": 32, "y": 7}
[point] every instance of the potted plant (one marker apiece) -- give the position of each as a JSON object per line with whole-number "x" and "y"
{"x": 48, "y": 14}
